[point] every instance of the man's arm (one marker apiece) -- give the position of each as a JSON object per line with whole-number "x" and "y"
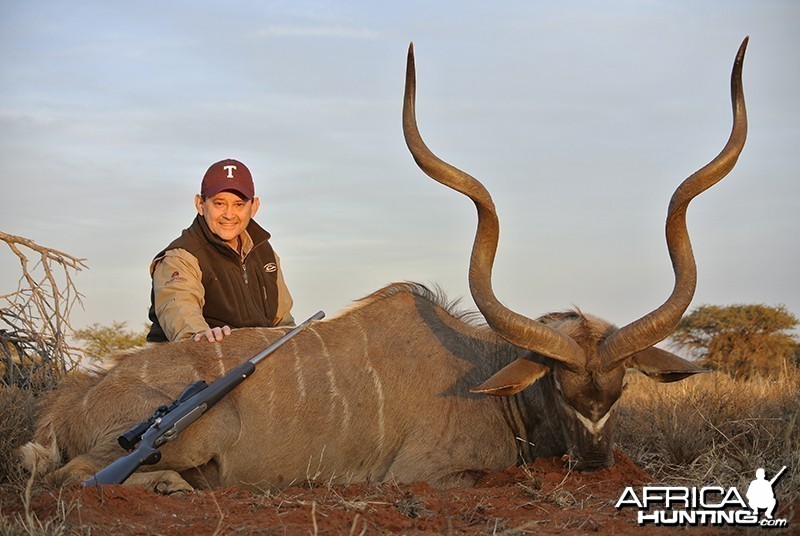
{"x": 179, "y": 297}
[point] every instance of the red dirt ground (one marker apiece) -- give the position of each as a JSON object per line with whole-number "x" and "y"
{"x": 539, "y": 498}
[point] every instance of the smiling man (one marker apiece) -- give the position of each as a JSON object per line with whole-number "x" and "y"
{"x": 222, "y": 272}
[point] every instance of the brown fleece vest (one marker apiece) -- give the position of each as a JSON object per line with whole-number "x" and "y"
{"x": 238, "y": 293}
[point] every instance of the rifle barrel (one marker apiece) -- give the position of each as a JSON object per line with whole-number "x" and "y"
{"x": 277, "y": 344}
{"x": 778, "y": 474}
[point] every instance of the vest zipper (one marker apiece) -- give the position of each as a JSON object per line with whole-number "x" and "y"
{"x": 244, "y": 272}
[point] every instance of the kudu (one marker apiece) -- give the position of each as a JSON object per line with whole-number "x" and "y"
{"x": 393, "y": 387}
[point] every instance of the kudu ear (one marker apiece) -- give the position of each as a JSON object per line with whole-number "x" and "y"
{"x": 512, "y": 378}
{"x": 663, "y": 366}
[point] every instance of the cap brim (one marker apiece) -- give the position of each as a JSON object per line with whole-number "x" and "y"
{"x": 212, "y": 192}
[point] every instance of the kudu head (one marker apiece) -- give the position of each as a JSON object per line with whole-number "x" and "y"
{"x": 588, "y": 357}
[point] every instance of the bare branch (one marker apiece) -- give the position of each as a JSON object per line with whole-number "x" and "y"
{"x": 34, "y": 319}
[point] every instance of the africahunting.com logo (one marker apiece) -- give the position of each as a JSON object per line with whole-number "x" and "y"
{"x": 710, "y": 505}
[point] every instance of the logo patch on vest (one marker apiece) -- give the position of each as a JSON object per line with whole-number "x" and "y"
{"x": 271, "y": 267}
{"x": 176, "y": 277}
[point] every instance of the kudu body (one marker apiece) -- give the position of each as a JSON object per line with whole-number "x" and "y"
{"x": 394, "y": 387}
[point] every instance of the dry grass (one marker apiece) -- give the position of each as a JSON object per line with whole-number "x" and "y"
{"x": 17, "y": 414}
{"x": 712, "y": 429}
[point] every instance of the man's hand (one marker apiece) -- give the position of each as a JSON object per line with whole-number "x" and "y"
{"x": 212, "y": 335}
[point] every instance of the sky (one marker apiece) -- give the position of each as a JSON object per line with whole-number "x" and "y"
{"x": 580, "y": 117}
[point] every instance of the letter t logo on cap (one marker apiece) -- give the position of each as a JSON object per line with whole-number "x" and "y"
{"x": 229, "y": 169}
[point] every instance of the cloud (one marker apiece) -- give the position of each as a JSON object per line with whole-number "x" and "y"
{"x": 317, "y": 31}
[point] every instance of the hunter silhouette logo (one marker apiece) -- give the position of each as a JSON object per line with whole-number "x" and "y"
{"x": 706, "y": 506}
{"x": 760, "y": 494}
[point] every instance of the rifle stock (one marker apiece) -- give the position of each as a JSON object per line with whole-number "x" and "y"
{"x": 169, "y": 421}
{"x": 120, "y": 469}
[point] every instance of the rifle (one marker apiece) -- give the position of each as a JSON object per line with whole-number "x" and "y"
{"x": 777, "y": 475}
{"x": 169, "y": 421}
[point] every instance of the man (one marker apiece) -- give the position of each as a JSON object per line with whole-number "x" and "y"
{"x": 222, "y": 272}
{"x": 760, "y": 494}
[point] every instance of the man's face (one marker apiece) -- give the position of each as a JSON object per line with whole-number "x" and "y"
{"x": 227, "y": 215}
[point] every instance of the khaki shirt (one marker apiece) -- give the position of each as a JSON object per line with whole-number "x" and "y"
{"x": 180, "y": 296}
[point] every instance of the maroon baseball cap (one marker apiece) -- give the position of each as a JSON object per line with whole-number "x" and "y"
{"x": 228, "y": 174}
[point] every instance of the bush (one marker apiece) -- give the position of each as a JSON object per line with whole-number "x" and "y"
{"x": 102, "y": 341}
{"x": 743, "y": 340}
